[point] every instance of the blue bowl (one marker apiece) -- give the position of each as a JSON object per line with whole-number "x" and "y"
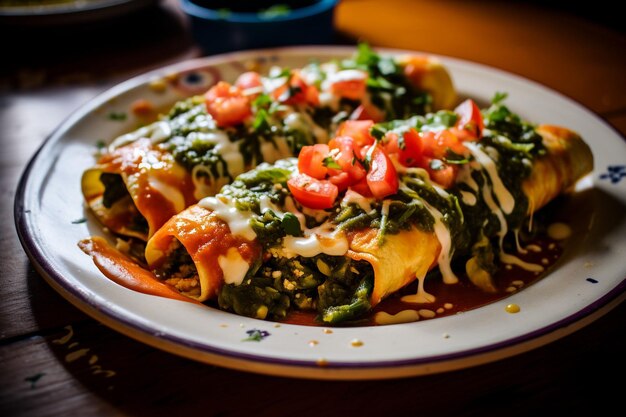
{"x": 218, "y": 31}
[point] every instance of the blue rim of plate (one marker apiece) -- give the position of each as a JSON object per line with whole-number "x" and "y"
{"x": 284, "y": 366}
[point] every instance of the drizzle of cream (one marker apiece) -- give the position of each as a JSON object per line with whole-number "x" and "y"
{"x": 505, "y": 257}
{"x": 237, "y": 221}
{"x": 233, "y": 266}
{"x": 421, "y": 296}
{"x": 172, "y": 194}
{"x": 559, "y": 231}
{"x": 505, "y": 198}
{"x": 443, "y": 235}
{"x": 404, "y": 316}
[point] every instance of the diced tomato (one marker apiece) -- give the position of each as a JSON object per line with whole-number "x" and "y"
{"x": 341, "y": 179}
{"x": 359, "y": 130}
{"x": 311, "y": 192}
{"x": 409, "y": 151}
{"x": 437, "y": 144}
{"x": 470, "y": 123}
{"x": 445, "y": 175}
{"x": 352, "y": 88}
{"x": 297, "y": 91}
{"x": 362, "y": 188}
{"x": 250, "y": 80}
{"x": 344, "y": 152}
{"x": 227, "y": 105}
{"x": 382, "y": 178}
{"x": 367, "y": 112}
{"x": 311, "y": 160}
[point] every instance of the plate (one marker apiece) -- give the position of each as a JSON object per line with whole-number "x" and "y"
{"x": 587, "y": 281}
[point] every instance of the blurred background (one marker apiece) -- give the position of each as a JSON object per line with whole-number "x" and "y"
{"x": 119, "y": 40}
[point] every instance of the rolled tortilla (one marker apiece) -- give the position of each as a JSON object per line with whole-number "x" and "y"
{"x": 221, "y": 257}
{"x": 158, "y": 187}
{"x": 218, "y": 255}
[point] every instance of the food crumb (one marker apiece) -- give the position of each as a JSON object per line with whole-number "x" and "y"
{"x": 356, "y": 343}
{"x": 322, "y": 362}
{"x": 512, "y": 308}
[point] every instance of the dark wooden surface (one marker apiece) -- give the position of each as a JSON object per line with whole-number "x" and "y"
{"x": 56, "y": 361}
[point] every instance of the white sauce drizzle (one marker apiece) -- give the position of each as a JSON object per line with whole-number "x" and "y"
{"x": 468, "y": 198}
{"x": 559, "y": 231}
{"x": 172, "y": 194}
{"x": 237, "y": 221}
{"x": 502, "y": 194}
{"x": 421, "y": 296}
{"x": 404, "y": 316}
{"x": 465, "y": 176}
{"x": 443, "y": 235}
{"x": 505, "y": 257}
{"x": 322, "y": 239}
{"x": 234, "y": 267}
{"x": 518, "y": 246}
{"x": 352, "y": 196}
{"x": 157, "y": 132}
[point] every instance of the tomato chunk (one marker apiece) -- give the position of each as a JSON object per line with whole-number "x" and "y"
{"x": 444, "y": 174}
{"x": 344, "y": 151}
{"x": 367, "y": 112}
{"x": 250, "y": 80}
{"x": 311, "y": 192}
{"x": 382, "y": 178}
{"x": 359, "y": 130}
{"x": 311, "y": 160}
{"x": 297, "y": 91}
{"x": 409, "y": 150}
{"x": 470, "y": 123}
{"x": 350, "y": 84}
{"x": 438, "y": 144}
{"x": 227, "y": 105}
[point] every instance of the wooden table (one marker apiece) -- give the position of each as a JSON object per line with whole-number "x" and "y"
{"x": 56, "y": 361}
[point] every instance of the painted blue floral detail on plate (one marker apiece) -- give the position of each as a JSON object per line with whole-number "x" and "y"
{"x": 615, "y": 173}
{"x": 256, "y": 335}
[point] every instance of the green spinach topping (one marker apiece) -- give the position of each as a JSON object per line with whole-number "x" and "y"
{"x": 389, "y": 88}
{"x": 339, "y": 288}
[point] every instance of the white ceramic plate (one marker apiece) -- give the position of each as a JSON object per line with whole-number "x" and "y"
{"x": 586, "y": 282}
